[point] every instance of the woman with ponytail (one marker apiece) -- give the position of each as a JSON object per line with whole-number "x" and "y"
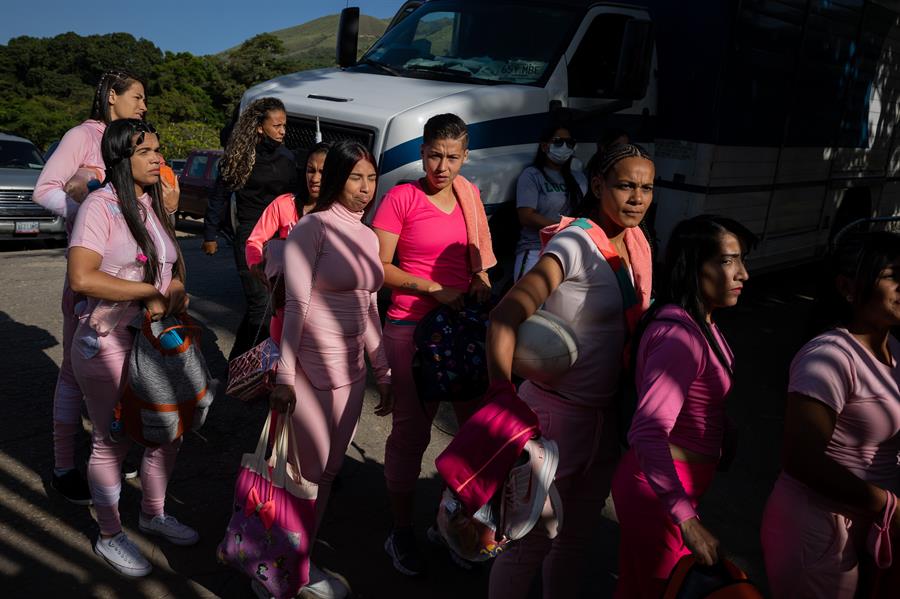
{"x": 120, "y": 225}
{"x": 61, "y": 188}
{"x": 683, "y": 373}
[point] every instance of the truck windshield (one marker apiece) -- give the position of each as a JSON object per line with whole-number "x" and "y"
{"x": 19, "y": 154}
{"x": 481, "y": 42}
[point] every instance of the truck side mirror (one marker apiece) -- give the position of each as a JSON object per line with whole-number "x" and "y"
{"x": 348, "y": 37}
{"x": 635, "y": 58}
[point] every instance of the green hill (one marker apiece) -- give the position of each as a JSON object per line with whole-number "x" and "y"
{"x": 315, "y": 41}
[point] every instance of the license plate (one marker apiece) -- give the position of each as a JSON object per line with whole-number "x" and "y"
{"x": 28, "y": 227}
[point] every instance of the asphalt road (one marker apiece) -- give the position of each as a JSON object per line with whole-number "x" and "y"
{"x": 45, "y": 543}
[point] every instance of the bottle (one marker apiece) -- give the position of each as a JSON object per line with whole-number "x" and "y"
{"x": 107, "y": 314}
{"x": 170, "y": 339}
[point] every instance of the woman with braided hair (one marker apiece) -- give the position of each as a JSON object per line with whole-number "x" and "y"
{"x": 259, "y": 168}
{"x": 61, "y": 188}
{"x": 595, "y": 274}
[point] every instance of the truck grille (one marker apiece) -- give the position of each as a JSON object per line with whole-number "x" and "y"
{"x": 300, "y": 135}
{"x": 17, "y": 202}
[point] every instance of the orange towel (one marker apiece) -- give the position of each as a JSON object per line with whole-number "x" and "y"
{"x": 481, "y": 253}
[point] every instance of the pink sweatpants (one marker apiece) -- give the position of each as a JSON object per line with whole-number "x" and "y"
{"x": 810, "y": 551}
{"x": 411, "y": 420}
{"x": 650, "y": 544}
{"x": 588, "y": 451}
{"x": 324, "y": 423}
{"x": 102, "y": 380}
{"x": 67, "y": 397}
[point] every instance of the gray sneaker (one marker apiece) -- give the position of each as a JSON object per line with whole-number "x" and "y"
{"x": 167, "y": 526}
{"x": 123, "y": 555}
{"x": 527, "y": 487}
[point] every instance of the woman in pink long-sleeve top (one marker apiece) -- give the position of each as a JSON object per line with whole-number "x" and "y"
{"x": 279, "y": 219}
{"x": 683, "y": 373}
{"x": 119, "y": 95}
{"x": 332, "y": 273}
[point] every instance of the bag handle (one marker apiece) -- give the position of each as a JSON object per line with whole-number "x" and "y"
{"x": 284, "y": 438}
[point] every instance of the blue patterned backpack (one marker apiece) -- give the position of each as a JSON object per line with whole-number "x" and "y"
{"x": 449, "y": 363}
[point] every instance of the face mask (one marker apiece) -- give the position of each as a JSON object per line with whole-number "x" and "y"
{"x": 559, "y": 154}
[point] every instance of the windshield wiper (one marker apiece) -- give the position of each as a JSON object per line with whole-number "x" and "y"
{"x": 381, "y": 67}
{"x": 442, "y": 68}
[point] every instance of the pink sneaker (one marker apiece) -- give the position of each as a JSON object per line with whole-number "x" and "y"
{"x": 527, "y": 487}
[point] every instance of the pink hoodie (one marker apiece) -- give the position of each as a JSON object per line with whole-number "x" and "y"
{"x": 79, "y": 147}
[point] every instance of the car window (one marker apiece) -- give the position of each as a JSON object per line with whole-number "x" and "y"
{"x": 20, "y": 154}
{"x": 214, "y": 171}
{"x": 197, "y": 166}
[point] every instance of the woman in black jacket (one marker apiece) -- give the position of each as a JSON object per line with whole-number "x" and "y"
{"x": 258, "y": 167}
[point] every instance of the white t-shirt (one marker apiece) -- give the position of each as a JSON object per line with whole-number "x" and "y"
{"x": 590, "y": 300}
{"x": 547, "y": 195}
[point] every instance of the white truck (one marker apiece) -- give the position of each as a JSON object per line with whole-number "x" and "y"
{"x": 781, "y": 114}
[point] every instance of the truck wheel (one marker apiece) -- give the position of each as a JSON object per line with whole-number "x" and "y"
{"x": 856, "y": 204}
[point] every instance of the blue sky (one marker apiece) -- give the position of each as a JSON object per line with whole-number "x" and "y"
{"x": 197, "y": 26}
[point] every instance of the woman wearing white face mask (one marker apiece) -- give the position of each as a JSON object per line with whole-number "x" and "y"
{"x": 546, "y": 190}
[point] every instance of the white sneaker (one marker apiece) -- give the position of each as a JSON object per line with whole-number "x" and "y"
{"x": 123, "y": 555}
{"x": 167, "y": 526}
{"x": 527, "y": 487}
{"x": 323, "y": 585}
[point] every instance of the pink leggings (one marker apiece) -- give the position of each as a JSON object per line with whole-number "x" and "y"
{"x": 324, "y": 424}
{"x": 588, "y": 449}
{"x": 650, "y": 544}
{"x": 411, "y": 420}
{"x": 102, "y": 379}
{"x": 67, "y": 397}
{"x": 810, "y": 550}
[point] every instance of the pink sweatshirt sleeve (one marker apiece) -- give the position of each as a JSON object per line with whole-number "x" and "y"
{"x": 669, "y": 360}
{"x": 271, "y": 221}
{"x": 63, "y": 164}
{"x": 300, "y": 252}
{"x": 375, "y": 344}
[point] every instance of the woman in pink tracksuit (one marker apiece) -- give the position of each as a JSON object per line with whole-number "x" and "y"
{"x": 279, "y": 219}
{"x": 61, "y": 189}
{"x": 834, "y": 504}
{"x": 683, "y": 373}
{"x": 122, "y": 224}
{"x": 332, "y": 274}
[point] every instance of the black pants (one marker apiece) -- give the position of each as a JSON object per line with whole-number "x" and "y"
{"x": 256, "y": 317}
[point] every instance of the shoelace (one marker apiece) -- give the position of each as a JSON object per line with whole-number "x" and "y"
{"x": 120, "y": 547}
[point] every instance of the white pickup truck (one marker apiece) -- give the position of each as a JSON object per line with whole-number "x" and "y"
{"x": 778, "y": 113}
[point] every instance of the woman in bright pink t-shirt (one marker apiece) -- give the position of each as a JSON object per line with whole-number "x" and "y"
{"x": 279, "y": 219}
{"x": 438, "y": 230}
{"x": 834, "y": 504}
{"x": 683, "y": 373}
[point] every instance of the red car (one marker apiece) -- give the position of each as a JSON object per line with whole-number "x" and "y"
{"x": 197, "y": 180}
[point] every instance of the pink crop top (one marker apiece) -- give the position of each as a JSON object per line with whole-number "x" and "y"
{"x": 681, "y": 389}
